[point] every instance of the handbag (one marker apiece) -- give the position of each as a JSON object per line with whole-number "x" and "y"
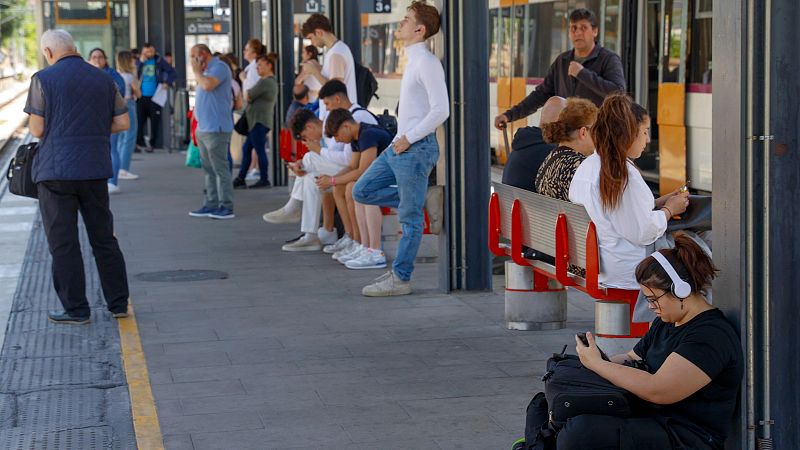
{"x": 19, "y": 175}
{"x": 242, "y": 126}
{"x": 697, "y": 216}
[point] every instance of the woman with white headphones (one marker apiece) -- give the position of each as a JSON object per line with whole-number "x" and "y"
{"x": 694, "y": 363}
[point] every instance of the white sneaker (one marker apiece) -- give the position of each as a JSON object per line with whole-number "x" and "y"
{"x": 307, "y": 243}
{"x": 371, "y": 259}
{"x": 340, "y": 244}
{"x": 387, "y": 285}
{"x": 360, "y": 250}
{"x": 253, "y": 175}
{"x": 281, "y": 216}
{"x": 113, "y": 188}
{"x": 125, "y": 175}
{"x": 327, "y": 237}
{"x": 346, "y": 249}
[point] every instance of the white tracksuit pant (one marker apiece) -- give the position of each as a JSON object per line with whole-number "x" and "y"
{"x": 305, "y": 189}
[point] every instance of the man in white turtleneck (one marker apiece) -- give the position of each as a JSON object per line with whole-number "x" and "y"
{"x": 399, "y": 177}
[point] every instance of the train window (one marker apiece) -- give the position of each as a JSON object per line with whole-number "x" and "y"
{"x": 673, "y": 35}
{"x": 704, "y": 10}
{"x": 494, "y": 41}
{"x": 700, "y": 51}
{"x": 548, "y": 37}
{"x": 611, "y": 26}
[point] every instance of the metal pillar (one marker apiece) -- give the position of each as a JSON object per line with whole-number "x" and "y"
{"x": 729, "y": 156}
{"x": 464, "y": 261}
{"x": 782, "y": 218}
{"x": 162, "y": 24}
{"x": 345, "y": 16}
{"x": 282, "y": 39}
{"x": 755, "y": 143}
{"x": 240, "y": 27}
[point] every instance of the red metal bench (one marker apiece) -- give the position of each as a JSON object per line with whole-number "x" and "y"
{"x": 564, "y": 230}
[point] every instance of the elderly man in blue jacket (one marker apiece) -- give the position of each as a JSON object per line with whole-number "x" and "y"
{"x": 70, "y": 170}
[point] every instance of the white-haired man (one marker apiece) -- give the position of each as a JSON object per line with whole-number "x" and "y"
{"x": 71, "y": 168}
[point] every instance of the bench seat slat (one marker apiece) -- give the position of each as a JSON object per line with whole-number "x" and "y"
{"x": 539, "y": 217}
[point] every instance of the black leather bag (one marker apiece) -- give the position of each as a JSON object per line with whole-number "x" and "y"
{"x": 697, "y": 216}
{"x": 241, "y": 126}
{"x": 20, "y": 179}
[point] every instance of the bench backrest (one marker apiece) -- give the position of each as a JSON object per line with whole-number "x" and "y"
{"x": 539, "y": 220}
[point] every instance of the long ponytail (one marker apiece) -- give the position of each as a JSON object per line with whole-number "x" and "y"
{"x": 613, "y": 133}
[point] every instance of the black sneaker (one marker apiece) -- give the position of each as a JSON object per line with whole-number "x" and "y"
{"x": 120, "y": 314}
{"x": 64, "y": 317}
{"x": 239, "y": 183}
{"x": 261, "y": 184}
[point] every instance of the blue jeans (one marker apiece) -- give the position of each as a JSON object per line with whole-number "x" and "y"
{"x": 127, "y": 142}
{"x": 114, "y": 158}
{"x": 123, "y": 144}
{"x": 256, "y": 140}
{"x": 401, "y": 182}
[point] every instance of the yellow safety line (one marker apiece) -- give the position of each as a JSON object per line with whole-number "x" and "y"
{"x": 143, "y": 406}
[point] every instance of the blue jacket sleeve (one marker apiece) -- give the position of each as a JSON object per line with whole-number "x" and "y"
{"x": 167, "y": 72}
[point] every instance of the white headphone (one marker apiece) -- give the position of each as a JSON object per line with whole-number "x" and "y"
{"x": 680, "y": 288}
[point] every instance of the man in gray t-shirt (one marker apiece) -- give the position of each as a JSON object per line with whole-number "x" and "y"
{"x": 214, "y": 112}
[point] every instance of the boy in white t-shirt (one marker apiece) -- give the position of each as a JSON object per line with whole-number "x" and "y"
{"x": 338, "y": 63}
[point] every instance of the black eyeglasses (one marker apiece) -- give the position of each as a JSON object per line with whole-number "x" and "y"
{"x": 654, "y": 301}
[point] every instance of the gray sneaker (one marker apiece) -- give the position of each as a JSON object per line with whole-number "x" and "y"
{"x": 304, "y": 244}
{"x": 387, "y": 285}
{"x": 281, "y": 216}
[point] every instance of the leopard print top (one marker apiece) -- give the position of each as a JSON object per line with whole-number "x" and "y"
{"x": 557, "y": 171}
{"x": 554, "y": 178}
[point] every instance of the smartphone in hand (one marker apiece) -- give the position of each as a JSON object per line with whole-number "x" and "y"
{"x": 582, "y": 337}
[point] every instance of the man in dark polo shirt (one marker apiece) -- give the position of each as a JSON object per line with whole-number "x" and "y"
{"x": 588, "y": 71}
{"x": 367, "y": 141}
{"x": 71, "y": 169}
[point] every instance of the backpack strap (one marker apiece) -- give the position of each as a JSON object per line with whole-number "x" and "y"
{"x": 360, "y": 108}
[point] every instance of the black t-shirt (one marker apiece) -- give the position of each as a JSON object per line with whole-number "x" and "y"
{"x": 371, "y": 136}
{"x": 709, "y": 342}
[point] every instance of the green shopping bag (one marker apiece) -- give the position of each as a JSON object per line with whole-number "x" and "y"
{"x": 193, "y": 156}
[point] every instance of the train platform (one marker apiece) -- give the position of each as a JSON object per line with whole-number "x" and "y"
{"x": 235, "y": 344}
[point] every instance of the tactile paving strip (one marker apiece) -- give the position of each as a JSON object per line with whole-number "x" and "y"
{"x": 61, "y": 386}
{"x": 72, "y": 439}
{"x": 60, "y": 409}
{"x": 29, "y": 374}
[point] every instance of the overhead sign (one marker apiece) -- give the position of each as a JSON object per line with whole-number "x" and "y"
{"x": 382, "y": 6}
{"x": 308, "y": 6}
{"x": 208, "y": 27}
{"x": 375, "y": 6}
{"x": 193, "y": 13}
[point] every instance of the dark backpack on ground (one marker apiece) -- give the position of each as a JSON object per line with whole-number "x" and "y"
{"x": 386, "y": 121}
{"x": 572, "y": 390}
{"x": 366, "y": 85}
